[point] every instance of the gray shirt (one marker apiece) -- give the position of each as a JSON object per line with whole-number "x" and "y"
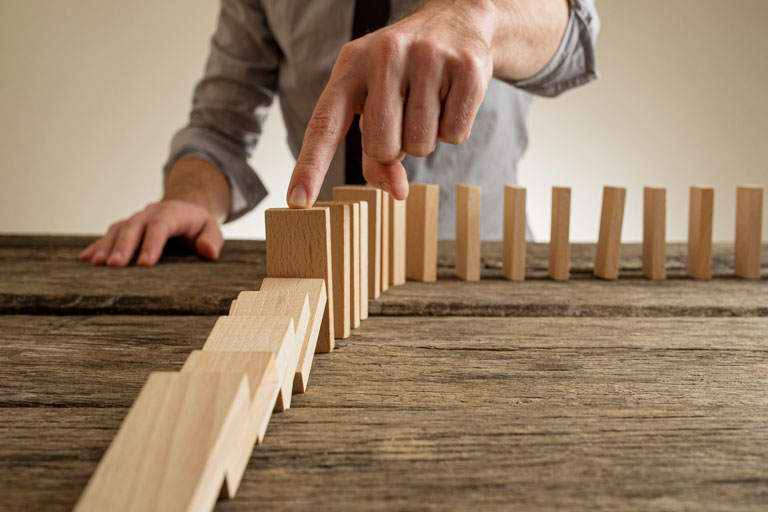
{"x": 288, "y": 47}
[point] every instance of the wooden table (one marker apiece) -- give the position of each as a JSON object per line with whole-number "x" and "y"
{"x": 461, "y": 396}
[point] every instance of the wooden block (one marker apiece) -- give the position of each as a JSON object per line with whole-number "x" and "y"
{"x": 299, "y": 245}
{"x": 655, "y": 233}
{"x": 274, "y": 334}
{"x": 264, "y": 386}
{"x": 513, "y": 246}
{"x": 559, "y": 239}
{"x": 749, "y": 231}
{"x": 609, "y": 240}
{"x": 421, "y": 209}
{"x": 396, "y": 241}
{"x": 172, "y": 449}
{"x": 373, "y": 197}
{"x": 700, "y": 216}
{"x": 364, "y": 295}
{"x": 469, "y": 203}
{"x": 300, "y": 303}
{"x": 385, "y": 241}
{"x": 341, "y": 255}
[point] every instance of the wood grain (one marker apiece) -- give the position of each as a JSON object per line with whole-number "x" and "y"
{"x": 421, "y": 209}
{"x": 749, "y": 231}
{"x": 469, "y": 209}
{"x": 655, "y": 232}
{"x": 560, "y": 232}
{"x": 341, "y": 256}
{"x": 385, "y": 197}
{"x": 608, "y": 251}
{"x": 700, "y": 216}
{"x": 372, "y": 196}
{"x": 397, "y": 248}
{"x": 513, "y": 244}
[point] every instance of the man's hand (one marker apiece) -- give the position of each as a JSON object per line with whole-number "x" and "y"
{"x": 196, "y": 194}
{"x": 422, "y": 80}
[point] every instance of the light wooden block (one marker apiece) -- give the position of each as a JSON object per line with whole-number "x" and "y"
{"x": 655, "y": 233}
{"x": 385, "y": 241}
{"x": 559, "y": 239}
{"x": 373, "y": 197}
{"x": 396, "y": 241}
{"x": 421, "y": 232}
{"x": 469, "y": 204}
{"x": 264, "y": 386}
{"x": 364, "y": 259}
{"x": 513, "y": 245}
{"x": 173, "y": 447}
{"x": 609, "y": 240}
{"x": 299, "y": 245}
{"x": 275, "y": 334}
{"x": 700, "y": 216}
{"x": 749, "y": 230}
{"x": 341, "y": 255}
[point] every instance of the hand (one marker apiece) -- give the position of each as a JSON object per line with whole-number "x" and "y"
{"x": 151, "y": 228}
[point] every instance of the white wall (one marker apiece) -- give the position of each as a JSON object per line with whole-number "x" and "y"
{"x": 91, "y": 91}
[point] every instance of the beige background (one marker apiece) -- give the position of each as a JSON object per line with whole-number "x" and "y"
{"x": 91, "y": 91}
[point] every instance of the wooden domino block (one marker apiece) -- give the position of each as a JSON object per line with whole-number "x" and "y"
{"x": 749, "y": 230}
{"x": 364, "y": 259}
{"x": 264, "y": 386}
{"x": 274, "y": 334}
{"x": 384, "y": 241}
{"x": 700, "y": 216}
{"x": 559, "y": 239}
{"x": 341, "y": 255}
{"x": 655, "y": 233}
{"x": 469, "y": 203}
{"x": 609, "y": 240}
{"x": 421, "y": 232}
{"x": 373, "y": 197}
{"x": 513, "y": 245}
{"x": 396, "y": 241}
{"x": 299, "y": 245}
{"x": 173, "y": 447}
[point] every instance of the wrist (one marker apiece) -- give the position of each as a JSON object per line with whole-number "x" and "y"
{"x": 197, "y": 181}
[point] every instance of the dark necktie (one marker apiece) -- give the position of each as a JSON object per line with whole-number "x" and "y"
{"x": 370, "y": 15}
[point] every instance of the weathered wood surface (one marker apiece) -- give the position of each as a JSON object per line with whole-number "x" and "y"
{"x": 41, "y": 275}
{"x": 426, "y": 413}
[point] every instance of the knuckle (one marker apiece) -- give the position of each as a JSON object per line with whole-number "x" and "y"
{"x": 388, "y": 47}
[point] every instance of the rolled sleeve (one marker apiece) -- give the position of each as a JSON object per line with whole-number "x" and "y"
{"x": 574, "y": 62}
{"x": 231, "y": 102}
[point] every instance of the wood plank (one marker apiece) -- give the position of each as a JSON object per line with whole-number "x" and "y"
{"x": 513, "y": 259}
{"x": 608, "y": 250}
{"x": 397, "y": 246}
{"x": 749, "y": 231}
{"x": 700, "y": 216}
{"x": 468, "y": 230}
{"x": 299, "y": 245}
{"x": 384, "y": 241}
{"x": 560, "y": 229}
{"x": 341, "y": 256}
{"x": 364, "y": 259}
{"x": 421, "y": 209}
{"x": 171, "y": 451}
{"x": 655, "y": 232}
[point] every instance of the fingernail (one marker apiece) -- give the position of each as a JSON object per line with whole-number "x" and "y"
{"x": 298, "y": 197}
{"x": 99, "y": 257}
{"x": 385, "y": 187}
{"x": 114, "y": 258}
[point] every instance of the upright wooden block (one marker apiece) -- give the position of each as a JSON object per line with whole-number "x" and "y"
{"x": 299, "y": 245}
{"x": 274, "y": 334}
{"x": 264, "y": 386}
{"x": 396, "y": 241}
{"x": 421, "y": 232}
{"x": 469, "y": 204}
{"x": 385, "y": 241}
{"x": 655, "y": 233}
{"x": 700, "y": 216}
{"x": 513, "y": 245}
{"x": 559, "y": 239}
{"x": 373, "y": 197}
{"x": 341, "y": 255}
{"x": 173, "y": 447}
{"x": 749, "y": 231}
{"x": 609, "y": 240}
{"x": 364, "y": 259}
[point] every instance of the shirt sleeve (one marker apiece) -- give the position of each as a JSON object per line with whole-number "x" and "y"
{"x": 231, "y": 101}
{"x": 574, "y": 62}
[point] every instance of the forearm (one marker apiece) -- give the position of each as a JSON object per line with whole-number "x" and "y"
{"x": 197, "y": 181}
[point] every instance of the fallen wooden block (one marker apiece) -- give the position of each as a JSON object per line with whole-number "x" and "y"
{"x": 421, "y": 208}
{"x": 655, "y": 233}
{"x": 559, "y": 239}
{"x": 364, "y": 259}
{"x": 749, "y": 231}
{"x": 396, "y": 241}
{"x": 299, "y": 245}
{"x": 372, "y": 196}
{"x": 384, "y": 241}
{"x": 513, "y": 245}
{"x": 173, "y": 447}
{"x": 700, "y": 216}
{"x": 275, "y": 334}
{"x": 341, "y": 255}
{"x": 609, "y": 240}
{"x": 264, "y": 386}
{"x": 468, "y": 232}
